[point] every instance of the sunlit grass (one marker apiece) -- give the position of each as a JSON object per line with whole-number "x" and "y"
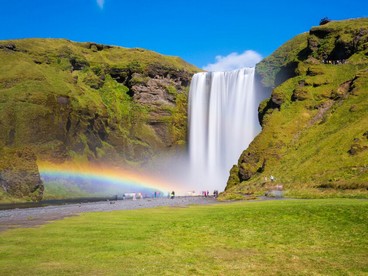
{"x": 292, "y": 237}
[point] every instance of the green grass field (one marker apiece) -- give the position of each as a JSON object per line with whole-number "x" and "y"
{"x": 288, "y": 237}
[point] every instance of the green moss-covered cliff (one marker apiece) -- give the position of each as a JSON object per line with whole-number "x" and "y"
{"x": 67, "y": 101}
{"x": 314, "y": 137}
{"x": 19, "y": 176}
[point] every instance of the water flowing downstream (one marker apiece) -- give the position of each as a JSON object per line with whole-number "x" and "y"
{"x": 222, "y": 122}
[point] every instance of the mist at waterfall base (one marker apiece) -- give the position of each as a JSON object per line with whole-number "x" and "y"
{"x": 222, "y": 122}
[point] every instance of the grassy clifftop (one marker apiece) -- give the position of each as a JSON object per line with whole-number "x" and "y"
{"x": 314, "y": 139}
{"x": 86, "y": 102}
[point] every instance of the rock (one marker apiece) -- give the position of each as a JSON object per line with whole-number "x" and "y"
{"x": 321, "y": 32}
{"x": 63, "y": 100}
{"x": 300, "y": 94}
{"x": 9, "y": 47}
{"x": 359, "y": 145}
{"x": 314, "y": 71}
{"x": 286, "y": 71}
{"x": 153, "y": 92}
{"x": 95, "y": 47}
{"x": 78, "y": 64}
{"x": 266, "y": 108}
{"x": 277, "y": 98}
{"x": 249, "y": 164}
{"x": 19, "y": 176}
{"x": 312, "y": 44}
{"x": 121, "y": 75}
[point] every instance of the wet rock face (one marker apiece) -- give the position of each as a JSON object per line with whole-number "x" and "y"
{"x": 19, "y": 176}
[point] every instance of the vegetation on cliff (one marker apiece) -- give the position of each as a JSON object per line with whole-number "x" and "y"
{"x": 315, "y": 124}
{"x": 19, "y": 176}
{"x": 85, "y": 102}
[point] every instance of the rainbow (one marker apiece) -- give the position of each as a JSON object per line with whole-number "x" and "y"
{"x": 104, "y": 175}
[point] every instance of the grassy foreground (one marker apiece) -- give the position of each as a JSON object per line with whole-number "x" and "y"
{"x": 289, "y": 237}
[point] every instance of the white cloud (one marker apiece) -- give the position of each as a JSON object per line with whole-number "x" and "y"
{"x": 234, "y": 61}
{"x": 101, "y": 3}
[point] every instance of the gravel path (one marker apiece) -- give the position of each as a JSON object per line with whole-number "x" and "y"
{"x": 31, "y": 217}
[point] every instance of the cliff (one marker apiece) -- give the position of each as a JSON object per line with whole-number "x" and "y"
{"x": 86, "y": 102}
{"x": 19, "y": 176}
{"x": 314, "y": 137}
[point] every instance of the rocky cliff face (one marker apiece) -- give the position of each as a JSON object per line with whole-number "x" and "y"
{"x": 69, "y": 101}
{"x": 313, "y": 139}
{"x": 19, "y": 175}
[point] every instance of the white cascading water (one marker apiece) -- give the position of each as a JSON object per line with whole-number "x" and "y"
{"x": 222, "y": 123}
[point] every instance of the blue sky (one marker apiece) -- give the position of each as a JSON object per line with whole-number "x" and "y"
{"x": 235, "y": 31}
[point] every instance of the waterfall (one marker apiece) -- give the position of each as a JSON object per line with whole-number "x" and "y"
{"x": 222, "y": 122}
